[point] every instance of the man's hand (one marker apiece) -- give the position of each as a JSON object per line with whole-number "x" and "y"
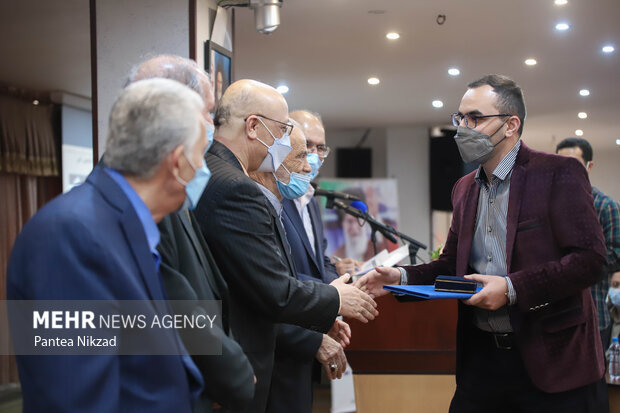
{"x": 353, "y": 302}
{"x": 331, "y": 356}
{"x": 341, "y": 332}
{"x": 493, "y": 294}
{"x": 348, "y": 265}
{"x": 373, "y": 281}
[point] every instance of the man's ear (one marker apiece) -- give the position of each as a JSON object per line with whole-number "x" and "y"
{"x": 173, "y": 160}
{"x": 514, "y": 123}
{"x": 251, "y": 125}
{"x": 589, "y": 166}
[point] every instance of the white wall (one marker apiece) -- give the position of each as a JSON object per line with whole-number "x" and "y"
{"x": 349, "y": 138}
{"x": 605, "y": 173}
{"x": 408, "y": 161}
{"x": 128, "y": 32}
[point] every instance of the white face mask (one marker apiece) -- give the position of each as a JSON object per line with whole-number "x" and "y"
{"x": 276, "y": 153}
{"x": 614, "y": 296}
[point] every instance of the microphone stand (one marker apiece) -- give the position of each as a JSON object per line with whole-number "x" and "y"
{"x": 386, "y": 230}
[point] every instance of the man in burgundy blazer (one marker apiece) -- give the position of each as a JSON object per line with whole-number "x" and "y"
{"x": 548, "y": 356}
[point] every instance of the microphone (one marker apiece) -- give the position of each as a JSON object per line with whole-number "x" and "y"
{"x": 335, "y": 195}
{"x": 360, "y": 210}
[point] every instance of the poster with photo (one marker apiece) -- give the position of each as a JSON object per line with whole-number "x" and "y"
{"x": 348, "y": 236}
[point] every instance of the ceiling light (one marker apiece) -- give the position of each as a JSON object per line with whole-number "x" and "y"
{"x": 282, "y": 89}
{"x": 578, "y": 132}
{"x": 584, "y": 92}
{"x": 453, "y": 71}
{"x": 560, "y": 2}
{"x": 373, "y": 81}
{"x": 608, "y": 48}
{"x": 530, "y": 62}
{"x": 617, "y": 141}
{"x": 437, "y": 104}
{"x": 561, "y": 26}
{"x": 266, "y": 15}
{"x": 392, "y": 35}
{"x": 582, "y": 115}
{"x": 35, "y": 102}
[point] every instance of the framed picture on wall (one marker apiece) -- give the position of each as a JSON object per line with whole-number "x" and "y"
{"x": 218, "y": 62}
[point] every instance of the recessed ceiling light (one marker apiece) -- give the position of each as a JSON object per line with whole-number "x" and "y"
{"x": 560, "y": 2}
{"x": 584, "y": 92}
{"x": 530, "y": 62}
{"x": 392, "y": 35}
{"x": 282, "y": 89}
{"x": 453, "y": 71}
{"x": 608, "y": 48}
{"x": 562, "y": 26}
{"x": 617, "y": 141}
{"x": 582, "y": 115}
{"x": 578, "y": 132}
{"x": 35, "y": 102}
{"x": 437, "y": 104}
{"x": 373, "y": 81}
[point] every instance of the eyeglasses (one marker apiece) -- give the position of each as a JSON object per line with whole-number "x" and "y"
{"x": 471, "y": 121}
{"x": 321, "y": 150}
{"x": 284, "y": 127}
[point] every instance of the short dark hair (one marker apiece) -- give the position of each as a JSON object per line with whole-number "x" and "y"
{"x": 584, "y": 145}
{"x": 509, "y": 95}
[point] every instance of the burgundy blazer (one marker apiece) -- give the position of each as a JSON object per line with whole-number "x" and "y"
{"x": 555, "y": 250}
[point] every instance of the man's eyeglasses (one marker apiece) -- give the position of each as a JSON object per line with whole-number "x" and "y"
{"x": 321, "y": 150}
{"x": 471, "y": 121}
{"x": 284, "y": 127}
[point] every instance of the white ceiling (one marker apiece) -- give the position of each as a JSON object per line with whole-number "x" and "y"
{"x": 325, "y": 50}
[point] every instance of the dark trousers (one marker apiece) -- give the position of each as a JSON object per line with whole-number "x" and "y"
{"x": 494, "y": 380}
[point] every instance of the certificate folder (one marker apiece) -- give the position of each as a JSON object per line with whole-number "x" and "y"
{"x": 426, "y": 292}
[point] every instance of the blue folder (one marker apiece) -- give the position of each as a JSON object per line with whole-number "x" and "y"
{"x": 426, "y": 292}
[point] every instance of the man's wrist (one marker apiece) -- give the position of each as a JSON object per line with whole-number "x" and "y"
{"x": 404, "y": 278}
{"x": 511, "y": 293}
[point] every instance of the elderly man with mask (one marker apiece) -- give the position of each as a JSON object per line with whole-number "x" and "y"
{"x": 98, "y": 242}
{"x": 239, "y": 223}
{"x": 188, "y": 269}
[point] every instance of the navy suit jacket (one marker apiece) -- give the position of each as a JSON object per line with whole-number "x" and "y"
{"x": 89, "y": 244}
{"x": 310, "y": 266}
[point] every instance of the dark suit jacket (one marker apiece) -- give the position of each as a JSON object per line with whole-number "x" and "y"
{"x": 554, "y": 250}
{"x": 89, "y": 244}
{"x": 296, "y": 348}
{"x": 309, "y": 265}
{"x": 235, "y": 219}
{"x": 190, "y": 273}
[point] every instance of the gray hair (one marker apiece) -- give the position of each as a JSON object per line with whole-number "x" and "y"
{"x": 167, "y": 66}
{"x": 148, "y": 120}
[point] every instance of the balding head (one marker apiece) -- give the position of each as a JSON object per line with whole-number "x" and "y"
{"x": 311, "y": 125}
{"x": 249, "y": 113}
{"x": 178, "y": 68}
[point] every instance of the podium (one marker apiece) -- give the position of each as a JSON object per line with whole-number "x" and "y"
{"x": 405, "y": 357}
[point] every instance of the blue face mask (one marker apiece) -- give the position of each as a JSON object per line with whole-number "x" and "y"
{"x": 276, "y": 152}
{"x": 614, "y": 296}
{"x": 195, "y": 187}
{"x": 315, "y": 164}
{"x": 210, "y": 132}
{"x": 296, "y": 187}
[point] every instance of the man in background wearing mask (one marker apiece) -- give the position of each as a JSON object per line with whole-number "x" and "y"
{"x": 315, "y": 263}
{"x": 296, "y": 347}
{"x": 188, "y": 269}
{"x": 98, "y": 242}
{"x": 253, "y": 134}
{"x": 613, "y": 303}
{"x": 608, "y": 212}
{"x": 523, "y": 226}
